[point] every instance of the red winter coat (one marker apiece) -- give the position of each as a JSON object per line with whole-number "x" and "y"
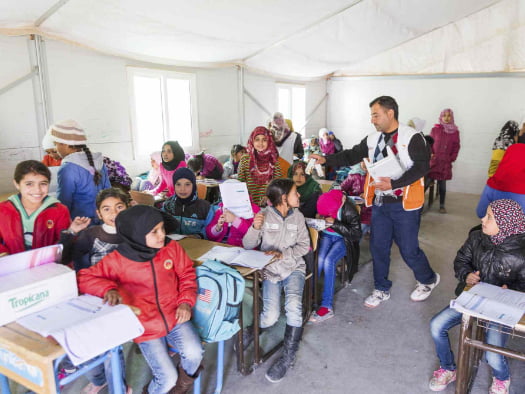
{"x": 48, "y": 225}
{"x": 157, "y": 287}
{"x": 445, "y": 149}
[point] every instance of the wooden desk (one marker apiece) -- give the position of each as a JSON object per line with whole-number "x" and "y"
{"x": 208, "y": 190}
{"x": 325, "y": 184}
{"x": 471, "y": 348}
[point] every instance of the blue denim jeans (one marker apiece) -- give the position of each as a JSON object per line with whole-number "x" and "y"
{"x": 331, "y": 249}
{"x": 293, "y": 300}
{"x": 186, "y": 340}
{"x": 442, "y": 322}
{"x": 390, "y": 222}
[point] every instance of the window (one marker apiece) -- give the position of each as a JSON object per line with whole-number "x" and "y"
{"x": 163, "y": 108}
{"x": 291, "y": 102}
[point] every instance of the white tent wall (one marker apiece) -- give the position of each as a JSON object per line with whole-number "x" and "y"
{"x": 92, "y": 88}
{"x": 481, "y": 107}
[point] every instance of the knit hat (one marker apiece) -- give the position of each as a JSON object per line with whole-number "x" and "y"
{"x": 329, "y": 203}
{"x": 186, "y": 173}
{"x": 68, "y": 132}
{"x": 48, "y": 142}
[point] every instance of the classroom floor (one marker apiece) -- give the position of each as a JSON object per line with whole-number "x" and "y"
{"x": 385, "y": 350}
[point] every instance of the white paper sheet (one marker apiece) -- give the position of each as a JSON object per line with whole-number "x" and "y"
{"x": 492, "y": 303}
{"x": 84, "y": 326}
{"x": 176, "y": 237}
{"x": 238, "y": 256}
{"x": 317, "y": 224}
{"x": 235, "y": 197}
{"x": 388, "y": 167}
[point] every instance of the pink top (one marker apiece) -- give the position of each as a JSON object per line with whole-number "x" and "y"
{"x": 167, "y": 180}
{"x": 233, "y": 234}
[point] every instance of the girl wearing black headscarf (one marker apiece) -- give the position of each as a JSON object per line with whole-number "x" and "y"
{"x": 172, "y": 159}
{"x": 190, "y": 211}
{"x": 156, "y": 276}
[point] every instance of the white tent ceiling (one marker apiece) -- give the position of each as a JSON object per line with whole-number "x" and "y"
{"x": 294, "y": 38}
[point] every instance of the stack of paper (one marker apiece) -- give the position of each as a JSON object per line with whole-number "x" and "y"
{"x": 388, "y": 167}
{"x": 235, "y": 198}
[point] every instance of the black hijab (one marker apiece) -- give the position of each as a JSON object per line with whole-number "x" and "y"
{"x": 178, "y": 156}
{"x": 132, "y": 225}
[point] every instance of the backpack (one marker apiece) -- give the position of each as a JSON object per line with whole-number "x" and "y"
{"x": 219, "y": 298}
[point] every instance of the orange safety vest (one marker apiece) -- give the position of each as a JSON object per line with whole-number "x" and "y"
{"x": 413, "y": 194}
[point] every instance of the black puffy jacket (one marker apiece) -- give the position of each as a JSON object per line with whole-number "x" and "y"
{"x": 499, "y": 265}
{"x": 350, "y": 228}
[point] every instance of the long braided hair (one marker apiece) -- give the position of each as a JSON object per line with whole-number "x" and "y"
{"x": 97, "y": 175}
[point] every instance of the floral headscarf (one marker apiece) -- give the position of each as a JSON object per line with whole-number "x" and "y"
{"x": 450, "y": 127}
{"x": 506, "y": 135}
{"x": 262, "y": 163}
{"x": 509, "y": 217}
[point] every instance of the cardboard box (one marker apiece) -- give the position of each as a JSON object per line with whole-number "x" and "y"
{"x": 32, "y": 290}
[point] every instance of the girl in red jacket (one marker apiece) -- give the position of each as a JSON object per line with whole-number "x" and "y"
{"x": 155, "y": 275}
{"x": 31, "y": 219}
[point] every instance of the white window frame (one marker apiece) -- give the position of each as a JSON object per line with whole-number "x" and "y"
{"x": 300, "y": 128}
{"x": 164, "y": 75}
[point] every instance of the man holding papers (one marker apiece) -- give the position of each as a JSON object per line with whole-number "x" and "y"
{"x": 396, "y": 202}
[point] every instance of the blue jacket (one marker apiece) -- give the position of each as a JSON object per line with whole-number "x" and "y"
{"x": 490, "y": 194}
{"x": 76, "y": 187}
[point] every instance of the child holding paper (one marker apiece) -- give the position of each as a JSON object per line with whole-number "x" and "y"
{"x": 280, "y": 230}
{"x": 495, "y": 255}
{"x": 155, "y": 275}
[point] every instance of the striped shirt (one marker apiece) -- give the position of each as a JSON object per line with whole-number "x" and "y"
{"x": 257, "y": 192}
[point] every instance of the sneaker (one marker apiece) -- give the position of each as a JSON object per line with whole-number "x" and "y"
{"x": 92, "y": 389}
{"x": 499, "y": 386}
{"x": 65, "y": 372}
{"x": 376, "y": 298}
{"x": 322, "y": 314}
{"x": 441, "y": 379}
{"x": 422, "y": 291}
{"x": 442, "y": 210}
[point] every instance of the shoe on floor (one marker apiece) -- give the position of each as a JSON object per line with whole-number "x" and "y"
{"x": 321, "y": 314}
{"x": 441, "y": 379}
{"x": 422, "y": 291}
{"x": 376, "y": 298}
{"x": 92, "y": 389}
{"x": 499, "y": 386}
{"x": 442, "y": 210}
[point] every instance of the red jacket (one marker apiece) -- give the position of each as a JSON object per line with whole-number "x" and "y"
{"x": 48, "y": 225}
{"x": 157, "y": 287}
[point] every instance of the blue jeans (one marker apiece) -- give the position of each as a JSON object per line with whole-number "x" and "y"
{"x": 448, "y": 318}
{"x": 293, "y": 300}
{"x": 186, "y": 340}
{"x": 103, "y": 373}
{"x": 331, "y": 249}
{"x": 390, "y": 222}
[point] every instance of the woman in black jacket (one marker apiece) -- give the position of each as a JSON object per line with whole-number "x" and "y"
{"x": 339, "y": 240}
{"x": 495, "y": 255}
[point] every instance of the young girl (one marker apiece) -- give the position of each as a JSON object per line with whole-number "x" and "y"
{"x": 307, "y": 187}
{"x": 496, "y": 255}
{"x": 337, "y": 241}
{"x": 228, "y": 228}
{"x": 280, "y": 230}
{"x": 354, "y": 185}
{"x": 155, "y": 275}
{"x": 205, "y": 166}
{"x": 82, "y": 174}
{"x": 260, "y": 165}
{"x": 445, "y": 149}
{"x": 51, "y": 158}
{"x": 288, "y": 142}
{"x": 151, "y": 179}
{"x": 325, "y": 143}
{"x": 338, "y": 146}
{"x": 172, "y": 159}
{"x": 31, "y": 219}
{"x": 312, "y": 147}
{"x": 190, "y": 211}
{"x": 232, "y": 165}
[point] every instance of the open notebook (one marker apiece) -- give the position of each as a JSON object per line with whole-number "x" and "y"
{"x": 237, "y": 256}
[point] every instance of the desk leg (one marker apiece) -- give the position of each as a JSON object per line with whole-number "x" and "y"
{"x": 463, "y": 369}
{"x": 257, "y": 351}
{"x": 240, "y": 346}
{"x": 4, "y": 384}
{"x": 116, "y": 371}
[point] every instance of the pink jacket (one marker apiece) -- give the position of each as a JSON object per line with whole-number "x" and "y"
{"x": 233, "y": 234}
{"x": 167, "y": 180}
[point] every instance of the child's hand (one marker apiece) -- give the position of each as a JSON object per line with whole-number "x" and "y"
{"x": 229, "y": 216}
{"x": 383, "y": 183}
{"x": 320, "y": 159}
{"x": 79, "y": 223}
{"x": 183, "y": 313}
{"x": 258, "y": 220}
{"x": 220, "y": 223}
{"x": 276, "y": 254}
{"x": 329, "y": 220}
{"x": 473, "y": 278}
{"x": 112, "y": 297}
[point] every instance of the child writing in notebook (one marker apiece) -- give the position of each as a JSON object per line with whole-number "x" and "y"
{"x": 280, "y": 230}
{"x": 337, "y": 241}
{"x": 156, "y": 276}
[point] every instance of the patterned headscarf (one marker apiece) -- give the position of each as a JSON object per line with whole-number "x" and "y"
{"x": 451, "y": 126}
{"x": 506, "y": 135}
{"x": 509, "y": 217}
{"x": 262, "y": 163}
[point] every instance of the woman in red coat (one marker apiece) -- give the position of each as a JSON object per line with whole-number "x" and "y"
{"x": 445, "y": 151}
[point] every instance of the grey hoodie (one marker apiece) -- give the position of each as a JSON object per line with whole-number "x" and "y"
{"x": 287, "y": 235}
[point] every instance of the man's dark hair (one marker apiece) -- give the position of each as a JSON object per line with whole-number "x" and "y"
{"x": 386, "y": 102}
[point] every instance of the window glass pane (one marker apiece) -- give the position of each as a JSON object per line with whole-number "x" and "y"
{"x": 284, "y": 106}
{"x": 148, "y": 112}
{"x": 298, "y": 108}
{"x": 179, "y": 111}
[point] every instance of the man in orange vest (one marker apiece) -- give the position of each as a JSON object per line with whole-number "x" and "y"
{"x": 396, "y": 202}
